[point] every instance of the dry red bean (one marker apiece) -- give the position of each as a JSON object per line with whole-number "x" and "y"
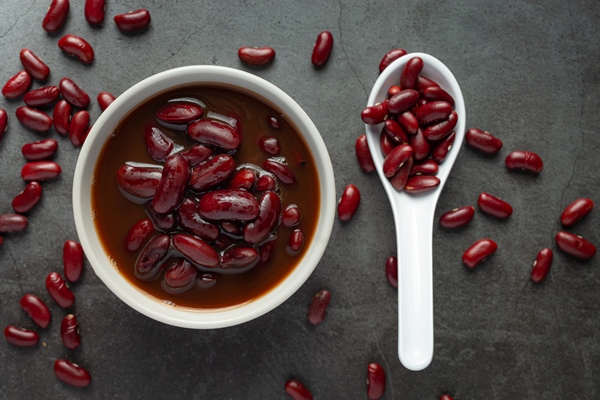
{"x": 421, "y": 183}
{"x": 525, "y": 160}
{"x": 40, "y": 149}
{"x": 494, "y": 206}
{"x": 363, "y": 155}
{"x": 391, "y": 270}
{"x": 424, "y": 83}
{"x": 265, "y": 182}
{"x": 576, "y": 211}
{"x": 385, "y": 143}
{"x": 420, "y": 145}
{"x": 575, "y": 245}
{"x": 36, "y": 309}
{"x": 191, "y": 221}
{"x": 197, "y": 154}
{"x": 140, "y": 182}
{"x": 78, "y": 47}
{"x": 394, "y": 89}
{"x": 238, "y": 205}
{"x": 408, "y": 122}
{"x": 395, "y": 160}
{"x": 440, "y": 130}
{"x": 295, "y": 242}
{"x": 71, "y": 373}
{"x": 196, "y": 250}
{"x": 17, "y": 85}
{"x": 212, "y": 172}
{"x": 400, "y": 179}
{"x": 395, "y": 131}
{"x": 483, "y": 141}
{"x": 59, "y": 291}
{"x": 243, "y": 178}
{"x": 375, "y": 114}
{"x": 280, "y": 170}
{"x": 410, "y": 73}
{"x": 28, "y": 198}
{"x": 433, "y": 111}
{"x": 458, "y": 217}
{"x": 94, "y": 11}
{"x": 105, "y": 99}
{"x": 72, "y": 260}
{"x": 390, "y": 57}
{"x": 62, "y": 117}
{"x": 78, "y": 127}
{"x": 269, "y": 145}
{"x": 180, "y": 277}
{"x": 69, "y": 332}
{"x": 240, "y": 257}
{"x": 442, "y": 148}
{"x": 214, "y": 133}
{"x": 446, "y": 396}
{"x": 478, "y": 252}
{"x": 73, "y": 93}
{"x": 56, "y": 15}
{"x": 179, "y": 113}
{"x": 435, "y": 93}
{"x": 138, "y": 234}
{"x": 318, "y": 307}
{"x": 12, "y": 223}
{"x": 3, "y": 122}
{"x": 297, "y": 390}
{"x": 158, "y": 144}
{"x": 42, "y": 96}
{"x": 256, "y": 231}
{"x": 322, "y": 49}
{"x": 20, "y": 337}
{"x": 172, "y": 185}
{"x": 541, "y": 265}
{"x": 348, "y": 203}
{"x": 291, "y": 216}
{"x": 256, "y": 55}
{"x": 425, "y": 167}
{"x": 149, "y": 261}
{"x": 402, "y": 101}
{"x": 375, "y": 381}
{"x": 33, "y": 119}
{"x": 40, "y": 170}
{"x": 34, "y": 65}
{"x": 133, "y": 21}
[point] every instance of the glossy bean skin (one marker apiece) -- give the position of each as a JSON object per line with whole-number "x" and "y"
{"x": 34, "y": 65}
{"x": 575, "y": 245}
{"x": 322, "y": 49}
{"x": 59, "y": 291}
{"x": 73, "y": 94}
{"x": 265, "y": 182}
{"x": 494, "y": 206}
{"x": 138, "y": 234}
{"x": 256, "y": 56}
{"x": 71, "y": 373}
{"x": 442, "y": 148}
{"x": 446, "y": 396}
{"x": 391, "y": 271}
{"x": 240, "y": 257}
{"x": 33, "y": 119}
{"x": 20, "y": 337}
{"x": 390, "y": 57}
{"x": 28, "y": 198}
{"x": 237, "y": 205}
{"x": 425, "y": 167}
{"x": 158, "y": 145}
{"x": 395, "y": 131}
{"x": 421, "y": 183}
{"x": 149, "y": 261}
{"x": 36, "y": 309}
{"x": 12, "y": 223}
{"x": 375, "y": 381}
{"x": 179, "y": 277}
{"x": 133, "y": 21}
{"x": 408, "y": 122}
{"x": 61, "y": 117}
{"x": 78, "y": 47}
{"x": 410, "y": 73}
{"x": 400, "y": 179}
{"x": 295, "y": 242}
{"x": 214, "y": 133}
{"x": 105, "y": 99}
{"x": 402, "y": 101}
{"x": 375, "y": 114}
{"x": 197, "y": 154}
{"x": 191, "y": 221}
{"x": 40, "y": 170}
{"x": 478, "y": 252}
{"x": 269, "y": 144}
{"x": 69, "y": 332}
{"x": 41, "y": 97}
{"x": 243, "y": 178}
{"x": 3, "y": 122}
{"x": 435, "y": 93}
{"x": 458, "y": 217}
{"x": 94, "y": 11}
{"x": 172, "y": 185}
{"x": 395, "y": 160}
{"x": 212, "y": 172}
{"x": 576, "y": 211}
{"x": 281, "y": 171}
{"x": 483, "y": 141}
{"x": 318, "y": 307}
{"x": 424, "y": 83}
{"x": 440, "y": 130}
{"x": 524, "y": 160}
{"x": 349, "y": 202}
{"x": 433, "y": 111}
{"x": 179, "y": 113}
{"x": 196, "y": 250}
{"x": 78, "y": 127}
{"x": 291, "y": 216}
{"x": 163, "y": 222}
{"x": 420, "y": 145}
{"x": 39, "y": 150}
{"x": 392, "y": 90}
{"x": 17, "y": 85}
{"x": 363, "y": 155}
{"x": 541, "y": 265}
{"x": 56, "y": 15}
{"x": 297, "y": 390}
{"x": 140, "y": 182}
{"x": 269, "y": 214}
{"x": 72, "y": 260}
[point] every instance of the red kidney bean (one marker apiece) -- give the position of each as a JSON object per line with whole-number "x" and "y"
{"x": 78, "y": 47}
{"x": 297, "y": 390}
{"x": 322, "y": 49}
{"x": 295, "y": 242}
{"x": 133, "y": 21}
{"x": 17, "y": 85}
{"x": 179, "y": 113}
{"x": 425, "y": 167}
{"x": 197, "y": 154}
{"x": 72, "y": 93}
{"x": 440, "y": 130}
{"x": 36, "y": 309}
{"x": 395, "y": 160}
{"x": 78, "y": 127}
{"x": 234, "y": 228}
{"x": 240, "y": 257}
{"x": 576, "y": 211}
{"x": 395, "y": 131}
{"x": 3, "y": 122}
{"x": 20, "y": 337}
{"x": 256, "y": 55}
{"x": 575, "y": 245}
{"x": 40, "y": 170}
{"x": 478, "y": 252}
{"x": 273, "y": 122}
{"x": 400, "y": 179}
{"x": 206, "y": 281}
{"x": 442, "y": 148}
{"x": 59, "y": 291}
{"x": 433, "y": 111}
{"x": 494, "y": 206}
{"x": 158, "y": 144}
{"x": 265, "y": 182}
{"x": 318, "y": 307}
{"x": 164, "y": 222}
{"x": 408, "y": 122}
{"x": 42, "y": 96}
{"x": 390, "y": 57}
{"x": 237, "y": 205}
{"x": 375, "y": 381}
{"x": 525, "y": 160}
{"x": 69, "y": 332}
{"x": 280, "y": 170}
{"x": 424, "y": 83}
{"x": 269, "y": 145}
{"x": 62, "y": 117}
{"x": 138, "y": 234}
{"x": 420, "y": 145}
{"x": 541, "y": 265}
{"x": 446, "y": 397}
{"x": 223, "y": 241}
{"x": 291, "y": 216}
{"x": 214, "y": 133}
{"x": 402, "y": 101}
{"x": 94, "y": 11}
{"x": 105, "y": 99}
{"x": 33, "y": 119}
{"x": 348, "y": 203}
{"x": 266, "y": 250}
{"x": 410, "y": 73}
{"x": 149, "y": 261}
{"x": 191, "y": 221}
{"x": 385, "y": 143}
{"x": 196, "y": 250}
{"x": 435, "y": 93}
{"x": 243, "y": 178}
{"x": 34, "y": 65}
{"x": 212, "y": 172}
{"x": 12, "y": 223}
{"x": 28, "y": 198}
{"x": 394, "y": 89}
{"x": 363, "y": 155}
{"x": 39, "y": 150}
{"x": 179, "y": 277}
{"x": 391, "y": 270}
{"x": 71, "y": 373}
{"x": 172, "y": 185}
{"x": 56, "y": 15}
{"x": 458, "y": 217}
{"x": 421, "y": 183}
{"x": 140, "y": 182}
{"x": 376, "y": 114}
{"x": 258, "y": 230}
{"x": 483, "y": 141}
{"x": 72, "y": 260}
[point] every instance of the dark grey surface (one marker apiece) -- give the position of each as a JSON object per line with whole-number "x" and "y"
{"x": 529, "y": 74}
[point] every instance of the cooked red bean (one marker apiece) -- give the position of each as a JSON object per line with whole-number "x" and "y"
{"x": 273, "y": 122}
{"x": 191, "y": 221}
{"x": 478, "y": 252}
{"x": 390, "y": 57}
{"x": 494, "y": 206}
{"x": 197, "y": 154}
{"x": 442, "y": 148}
{"x": 56, "y": 15}
{"x": 266, "y": 250}
{"x": 62, "y": 117}
{"x": 105, "y": 99}
{"x": 206, "y": 281}
{"x": 280, "y": 170}
{"x": 212, "y": 172}
{"x": 269, "y": 144}
{"x": 39, "y": 150}
{"x": 256, "y": 231}
{"x": 20, "y": 337}
{"x": 72, "y": 93}
{"x": 36, "y": 309}
{"x": 78, "y": 127}
{"x": 72, "y": 260}
{"x": 295, "y": 242}
{"x": 40, "y": 170}
{"x": 420, "y": 145}
{"x": 172, "y": 185}
{"x": 28, "y": 198}
{"x": 94, "y": 11}
{"x": 243, "y": 178}
{"x": 525, "y": 160}
{"x": 349, "y": 202}
{"x": 138, "y": 234}
{"x": 400, "y": 179}
{"x": 256, "y": 55}
{"x": 265, "y": 182}
{"x": 391, "y": 270}
{"x": 34, "y": 65}
{"x": 240, "y": 257}
{"x": 69, "y": 332}
{"x": 408, "y": 122}
{"x": 483, "y": 141}
{"x": 395, "y": 160}
{"x": 458, "y": 217}
{"x": 318, "y": 307}
{"x": 425, "y": 167}
{"x": 71, "y": 373}
{"x": 59, "y": 291}
{"x": 238, "y": 205}
{"x": 440, "y": 130}
{"x": 375, "y": 114}
{"x": 12, "y": 223}
{"x": 33, "y": 119}
{"x": 424, "y": 83}
{"x": 17, "y": 85}
{"x": 179, "y": 113}
{"x": 164, "y": 222}
{"x": 363, "y": 155}
{"x": 575, "y": 245}
{"x": 322, "y": 49}
{"x": 149, "y": 261}
{"x": 3, "y": 122}
{"x": 232, "y": 227}
{"x": 180, "y": 277}
{"x": 435, "y": 93}
{"x": 291, "y": 216}
{"x": 375, "y": 381}
{"x": 410, "y": 73}
{"x": 140, "y": 182}
{"x": 576, "y": 211}
{"x": 158, "y": 144}
{"x": 42, "y": 96}
{"x": 421, "y": 183}
{"x": 196, "y": 250}
{"x": 297, "y": 390}
{"x": 78, "y": 47}
{"x": 433, "y": 111}
{"x": 402, "y": 101}
{"x": 541, "y": 265}
{"x": 133, "y": 21}
{"x": 215, "y": 133}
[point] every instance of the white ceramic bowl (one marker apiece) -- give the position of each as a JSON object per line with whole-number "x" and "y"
{"x": 99, "y": 259}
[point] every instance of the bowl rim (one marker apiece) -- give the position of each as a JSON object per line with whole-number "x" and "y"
{"x": 83, "y": 214}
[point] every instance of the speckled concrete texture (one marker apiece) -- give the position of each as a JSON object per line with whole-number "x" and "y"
{"x": 529, "y": 74}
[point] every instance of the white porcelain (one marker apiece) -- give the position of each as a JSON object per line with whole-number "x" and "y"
{"x": 413, "y": 215}
{"x": 86, "y": 230}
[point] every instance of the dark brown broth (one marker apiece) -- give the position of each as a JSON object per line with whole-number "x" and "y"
{"x": 114, "y": 214}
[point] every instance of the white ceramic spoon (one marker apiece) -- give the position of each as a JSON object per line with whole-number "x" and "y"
{"x": 413, "y": 215}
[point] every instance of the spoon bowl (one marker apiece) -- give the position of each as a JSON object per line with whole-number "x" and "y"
{"x": 413, "y": 217}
